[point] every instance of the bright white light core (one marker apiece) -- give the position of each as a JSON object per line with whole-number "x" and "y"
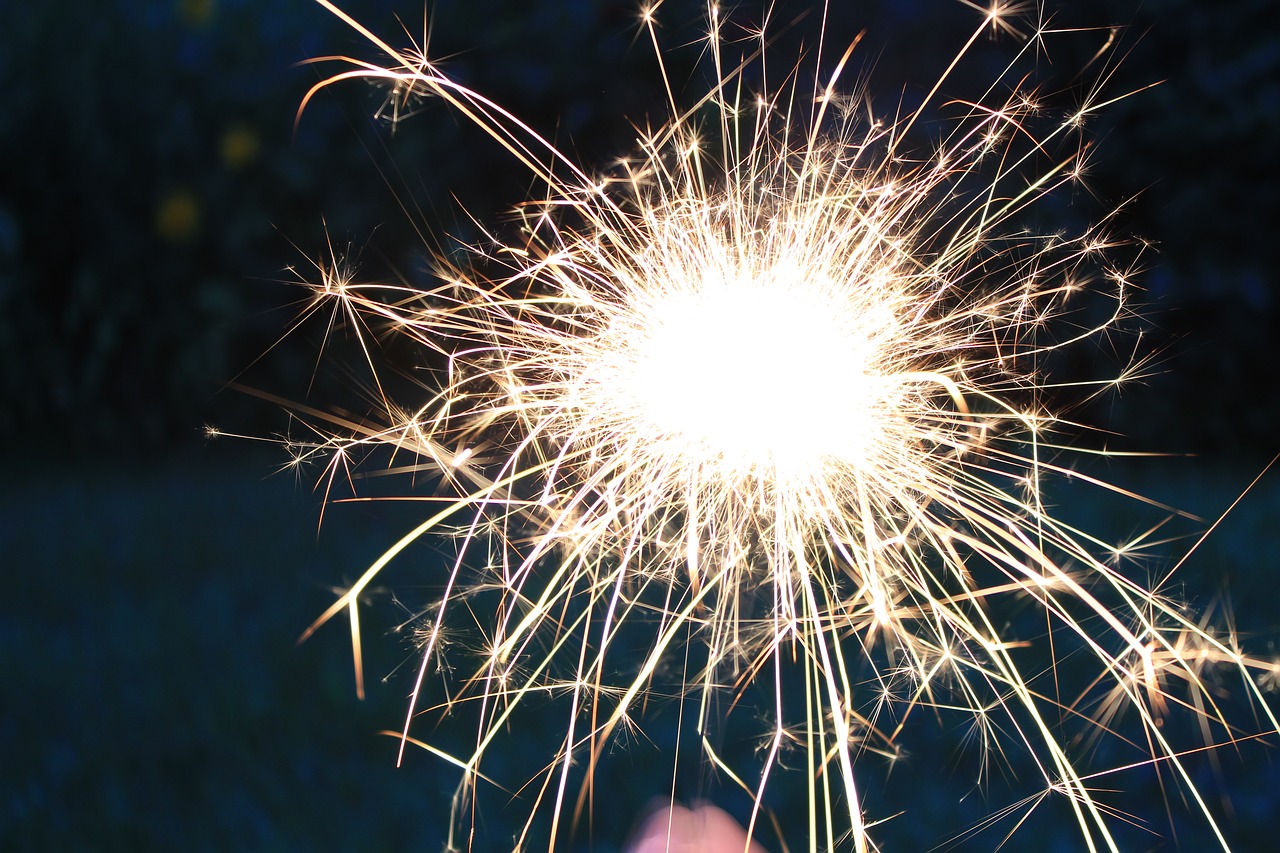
{"x": 773, "y": 371}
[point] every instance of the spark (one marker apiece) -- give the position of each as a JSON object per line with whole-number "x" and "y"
{"x": 769, "y": 391}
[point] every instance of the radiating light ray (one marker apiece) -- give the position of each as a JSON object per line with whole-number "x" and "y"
{"x": 763, "y": 408}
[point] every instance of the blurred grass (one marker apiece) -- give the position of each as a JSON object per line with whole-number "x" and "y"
{"x": 154, "y": 697}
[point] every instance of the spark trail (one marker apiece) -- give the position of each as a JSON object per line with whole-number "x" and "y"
{"x": 761, "y": 410}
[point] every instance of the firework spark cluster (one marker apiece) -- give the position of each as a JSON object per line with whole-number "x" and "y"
{"x": 759, "y": 416}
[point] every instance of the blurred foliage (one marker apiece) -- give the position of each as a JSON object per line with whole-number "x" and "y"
{"x": 154, "y": 184}
{"x": 143, "y": 152}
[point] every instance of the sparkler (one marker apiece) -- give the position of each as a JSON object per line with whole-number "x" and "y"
{"x": 763, "y": 409}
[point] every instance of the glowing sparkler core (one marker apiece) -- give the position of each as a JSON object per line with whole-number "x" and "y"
{"x": 751, "y": 372}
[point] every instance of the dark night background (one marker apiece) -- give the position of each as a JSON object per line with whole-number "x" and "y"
{"x": 152, "y": 194}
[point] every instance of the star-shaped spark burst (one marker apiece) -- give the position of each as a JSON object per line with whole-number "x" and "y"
{"x": 762, "y": 409}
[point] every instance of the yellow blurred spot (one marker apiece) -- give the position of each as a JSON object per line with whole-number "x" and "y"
{"x": 238, "y": 146}
{"x": 196, "y": 13}
{"x": 178, "y": 216}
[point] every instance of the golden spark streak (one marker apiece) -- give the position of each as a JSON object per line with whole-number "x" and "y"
{"x": 780, "y": 401}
